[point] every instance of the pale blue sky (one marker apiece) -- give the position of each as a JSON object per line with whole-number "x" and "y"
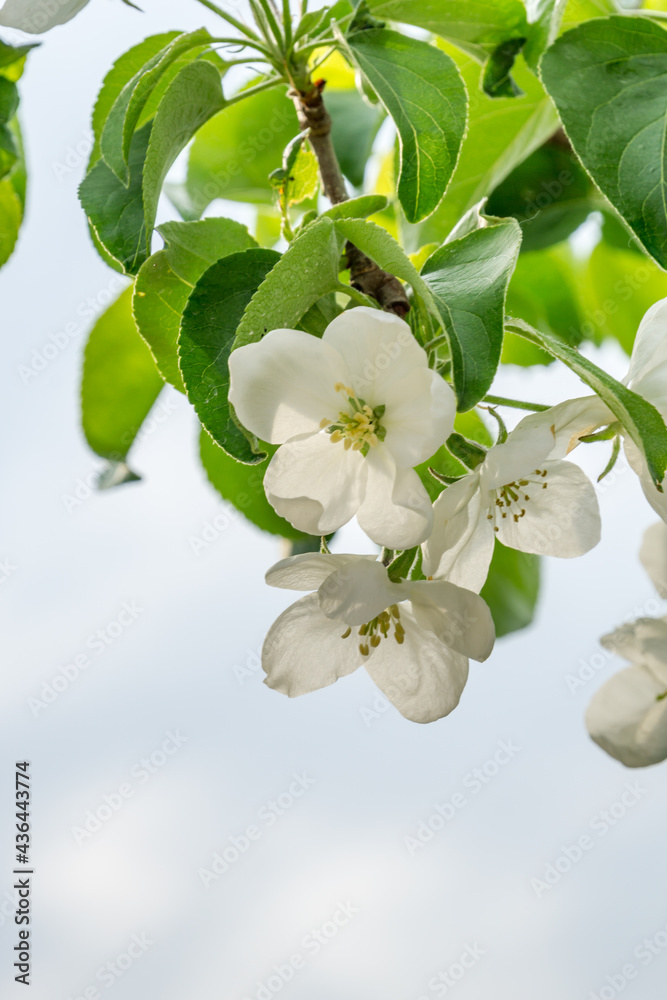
{"x": 172, "y": 670}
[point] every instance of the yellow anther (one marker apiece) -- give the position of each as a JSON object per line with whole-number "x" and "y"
{"x": 324, "y": 422}
{"x": 363, "y": 649}
{"x": 375, "y": 641}
{"x": 346, "y": 633}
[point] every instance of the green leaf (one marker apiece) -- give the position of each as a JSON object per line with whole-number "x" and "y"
{"x": 193, "y": 97}
{"x": 357, "y": 208}
{"x": 544, "y": 292}
{"x": 11, "y": 215}
{"x": 234, "y": 153}
{"x": 501, "y": 133}
{"x": 120, "y": 382}
{"x": 477, "y": 26}
{"x": 116, "y": 212}
{"x": 469, "y": 425}
{"x": 544, "y": 17}
{"x": 497, "y": 80}
{"x": 468, "y": 279}
{"x": 607, "y": 80}
{"x": 210, "y": 321}
{"x": 123, "y": 70}
{"x": 242, "y": 485}
{"x": 512, "y": 588}
{"x": 381, "y": 247}
{"x": 354, "y": 126}
{"x": 619, "y": 286}
{"x": 9, "y": 102}
{"x": 549, "y": 194}
{"x": 123, "y": 216}
{"x": 10, "y": 55}
{"x": 305, "y": 272}
{"x": 640, "y": 419}
{"x": 421, "y": 89}
{"x": 167, "y": 278}
{"x": 123, "y": 118}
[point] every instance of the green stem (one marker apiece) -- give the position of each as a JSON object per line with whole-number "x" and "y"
{"x": 273, "y": 24}
{"x": 322, "y": 59}
{"x": 516, "y": 404}
{"x": 273, "y": 81}
{"x": 287, "y": 23}
{"x": 239, "y": 25}
{"x": 443, "y": 339}
{"x": 356, "y": 295}
{"x": 242, "y": 43}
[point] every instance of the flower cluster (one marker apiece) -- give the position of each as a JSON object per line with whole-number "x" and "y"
{"x": 354, "y": 413}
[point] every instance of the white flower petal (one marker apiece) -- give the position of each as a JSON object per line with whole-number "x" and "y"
{"x": 461, "y": 548}
{"x": 419, "y": 416}
{"x": 378, "y": 348}
{"x": 308, "y": 570}
{"x": 284, "y": 385}
{"x": 653, "y": 555}
{"x": 459, "y": 618}
{"x": 650, "y": 348}
{"x": 520, "y": 454}
{"x": 421, "y": 677}
{"x": 562, "y": 520}
{"x": 315, "y": 484}
{"x": 37, "y": 16}
{"x": 637, "y": 463}
{"x": 304, "y": 651}
{"x": 642, "y": 642}
{"x": 396, "y": 510}
{"x": 569, "y": 421}
{"x": 626, "y": 719}
{"x": 358, "y": 592}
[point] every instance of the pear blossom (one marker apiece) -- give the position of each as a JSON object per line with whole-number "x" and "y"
{"x": 354, "y": 412}
{"x": 520, "y": 494}
{"x": 37, "y": 16}
{"x": 627, "y": 716}
{"x": 413, "y": 637}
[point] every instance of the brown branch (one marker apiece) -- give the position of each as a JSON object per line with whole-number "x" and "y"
{"x": 365, "y": 275}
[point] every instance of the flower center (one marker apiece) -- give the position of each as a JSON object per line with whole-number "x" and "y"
{"x": 358, "y": 427}
{"x": 374, "y": 631}
{"x": 510, "y": 499}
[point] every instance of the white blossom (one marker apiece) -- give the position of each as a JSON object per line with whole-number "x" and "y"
{"x": 413, "y": 637}
{"x": 627, "y": 716}
{"x": 520, "y": 494}
{"x": 354, "y": 413}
